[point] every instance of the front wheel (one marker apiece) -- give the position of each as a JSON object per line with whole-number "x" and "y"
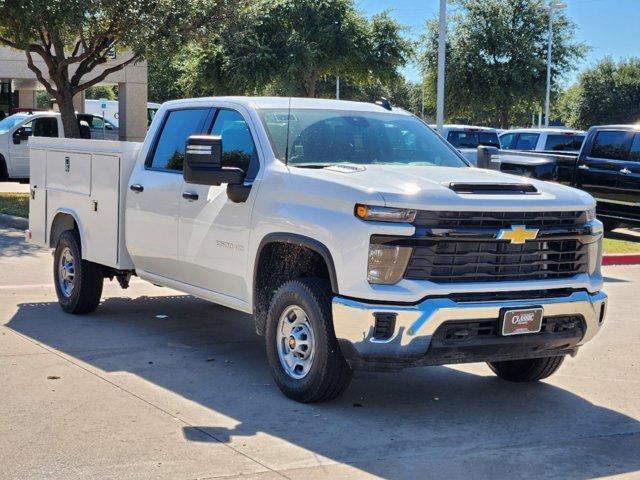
{"x": 78, "y": 282}
{"x": 302, "y": 349}
{"x": 530, "y": 370}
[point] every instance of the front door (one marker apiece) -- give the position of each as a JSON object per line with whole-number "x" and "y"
{"x": 213, "y": 235}
{"x": 19, "y": 153}
{"x": 599, "y": 172}
{"x": 154, "y": 196}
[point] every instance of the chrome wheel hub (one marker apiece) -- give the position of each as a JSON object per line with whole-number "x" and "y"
{"x": 66, "y": 272}
{"x": 295, "y": 342}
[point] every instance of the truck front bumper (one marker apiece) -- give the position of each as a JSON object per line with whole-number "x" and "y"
{"x": 440, "y": 331}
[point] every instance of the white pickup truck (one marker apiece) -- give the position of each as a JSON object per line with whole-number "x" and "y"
{"x": 356, "y": 236}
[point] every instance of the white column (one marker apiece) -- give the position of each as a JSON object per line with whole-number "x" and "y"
{"x": 27, "y": 98}
{"x": 442, "y": 42}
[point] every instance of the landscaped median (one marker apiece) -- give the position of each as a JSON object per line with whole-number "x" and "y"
{"x": 14, "y": 210}
{"x": 621, "y": 252}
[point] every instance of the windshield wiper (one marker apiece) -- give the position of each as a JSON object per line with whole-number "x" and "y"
{"x": 312, "y": 164}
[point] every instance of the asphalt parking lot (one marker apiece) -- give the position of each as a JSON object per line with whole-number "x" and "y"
{"x": 157, "y": 384}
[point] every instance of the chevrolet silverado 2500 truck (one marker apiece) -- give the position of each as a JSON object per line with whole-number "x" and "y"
{"x": 355, "y": 235}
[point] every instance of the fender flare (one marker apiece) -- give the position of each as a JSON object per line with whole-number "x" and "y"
{"x": 302, "y": 241}
{"x": 74, "y": 215}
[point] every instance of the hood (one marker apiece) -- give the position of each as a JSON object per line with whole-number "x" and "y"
{"x": 425, "y": 188}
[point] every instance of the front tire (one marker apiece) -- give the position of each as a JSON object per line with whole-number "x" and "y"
{"x": 531, "y": 370}
{"x": 303, "y": 353}
{"x": 78, "y": 282}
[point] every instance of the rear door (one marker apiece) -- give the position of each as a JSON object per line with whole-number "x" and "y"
{"x": 629, "y": 182}
{"x": 154, "y": 196}
{"x": 600, "y": 170}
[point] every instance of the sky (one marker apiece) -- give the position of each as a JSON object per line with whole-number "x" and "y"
{"x": 609, "y": 27}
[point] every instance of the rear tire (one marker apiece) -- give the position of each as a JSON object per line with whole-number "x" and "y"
{"x": 305, "y": 358}
{"x": 530, "y": 370}
{"x": 4, "y": 173}
{"x": 78, "y": 282}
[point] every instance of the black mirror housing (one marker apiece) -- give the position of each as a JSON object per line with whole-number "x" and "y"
{"x": 485, "y": 157}
{"x": 16, "y": 137}
{"x": 203, "y": 162}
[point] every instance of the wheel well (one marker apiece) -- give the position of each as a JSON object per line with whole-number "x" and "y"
{"x": 281, "y": 261}
{"x": 61, "y": 223}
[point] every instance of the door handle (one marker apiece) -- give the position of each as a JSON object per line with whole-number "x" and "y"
{"x": 192, "y": 197}
{"x": 136, "y": 187}
{"x": 625, "y": 171}
{"x": 583, "y": 167}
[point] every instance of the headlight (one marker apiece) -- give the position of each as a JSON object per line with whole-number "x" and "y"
{"x": 387, "y": 263}
{"x": 384, "y": 214}
{"x": 591, "y": 214}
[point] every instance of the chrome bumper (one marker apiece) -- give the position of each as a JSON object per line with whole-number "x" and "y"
{"x": 354, "y": 322}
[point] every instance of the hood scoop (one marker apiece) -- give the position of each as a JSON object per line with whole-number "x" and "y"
{"x": 493, "y": 188}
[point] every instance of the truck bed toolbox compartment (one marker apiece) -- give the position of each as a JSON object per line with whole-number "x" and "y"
{"x": 88, "y": 180}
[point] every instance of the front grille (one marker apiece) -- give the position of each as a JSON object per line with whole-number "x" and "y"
{"x": 463, "y": 331}
{"x": 448, "y": 261}
{"x": 448, "y": 219}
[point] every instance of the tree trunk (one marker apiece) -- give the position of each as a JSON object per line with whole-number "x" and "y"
{"x": 311, "y": 84}
{"x": 504, "y": 117}
{"x": 68, "y": 114}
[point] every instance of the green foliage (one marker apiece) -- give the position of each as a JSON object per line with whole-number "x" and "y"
{"x": 496, "y": 60}
{"x": 289, "y": 46}
{"x": 73, "y": 37}
{"x": 607, "y": 93}
{"x": 110, "y": 92}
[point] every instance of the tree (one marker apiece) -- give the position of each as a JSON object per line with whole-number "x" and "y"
{"x": 496, "y": 59}
{"x": 607, "y": 93}
{"x": 74, "y": 38}
{"x": 289, "y": 46}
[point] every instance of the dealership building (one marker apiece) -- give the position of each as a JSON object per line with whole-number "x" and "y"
{"x": 19, "y": 86}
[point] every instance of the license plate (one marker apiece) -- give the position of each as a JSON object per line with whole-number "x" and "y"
{"x": 524, "y": 320}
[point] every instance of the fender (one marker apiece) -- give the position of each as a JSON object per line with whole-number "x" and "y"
{"x": 301, "y": 240}
{"x": 72, "y": 213}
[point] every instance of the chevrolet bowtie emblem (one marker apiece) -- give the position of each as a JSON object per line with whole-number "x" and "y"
{"x": 518, "y": 234}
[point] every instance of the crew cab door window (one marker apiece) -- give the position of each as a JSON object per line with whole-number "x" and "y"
{"x": 506, "y": 141}
{"x": 564, "y": 142}
{"x": 236, "y": 140}
{"x": 634, "y": 153}
{"x": 178, "y": 126}
{"x": 610, "y": 144}
{"x": 527, "y": 141}
{"x": 45, "y": 127}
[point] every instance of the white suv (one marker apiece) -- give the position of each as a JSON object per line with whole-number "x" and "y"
{"x": 542, "y": 139}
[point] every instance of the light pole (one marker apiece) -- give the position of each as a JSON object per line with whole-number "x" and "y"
{"x": 551, "y": 8}
{"x": 442, "y": 42}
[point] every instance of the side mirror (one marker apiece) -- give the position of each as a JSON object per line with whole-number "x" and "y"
{"x": 488, "y": 157}
{"x": 203, "y": 163}
{"x": 16, "y": 137}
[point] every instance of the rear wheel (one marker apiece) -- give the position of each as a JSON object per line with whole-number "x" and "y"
{"x": 302, "y": 349}
{"x": 78, "y": 282}
{"x": 4, "y": 173}
{"x": 530, "y": 370}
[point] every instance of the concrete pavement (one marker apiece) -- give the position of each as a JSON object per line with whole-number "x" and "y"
{"x": 14, "y": 187}
{"x": 156, "y": 384}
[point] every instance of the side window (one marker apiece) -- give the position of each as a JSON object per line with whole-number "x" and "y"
{"x": 237, "y": 144}
{"x": 611, "y": 145}
{"x": 45, "y": 127}
{"x": 506, "y": 141}
{"x": 527, "y": 141}
{"x": 634, "y": 154}
{"x": 96, "y": 122}
{"x": 559, "y": 142}
{"x": 178, "y": 126}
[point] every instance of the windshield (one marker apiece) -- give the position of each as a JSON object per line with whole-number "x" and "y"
{"x": 11, "y": 121}
{"x": 318, "y": 138}
{"x": 471, "y": 139}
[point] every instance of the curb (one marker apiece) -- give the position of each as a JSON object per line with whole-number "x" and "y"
{"x": 12, "y": 221}
{"x": 621, "y": 259}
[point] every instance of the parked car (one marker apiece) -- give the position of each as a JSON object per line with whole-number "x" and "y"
{"x": 607, "y": 166}
{"x": 542, "y": 139}
{"x": 356, "y": 236}
{"x": 101, "y": 129}
{"x": 111, "y": 113}
{"x": 15, "y": 131}
{"x": 467, "y": 138}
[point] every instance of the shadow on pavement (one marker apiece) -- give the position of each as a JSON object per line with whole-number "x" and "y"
{"x": 13, "y": 244}
{"x": 399, "y": 425}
